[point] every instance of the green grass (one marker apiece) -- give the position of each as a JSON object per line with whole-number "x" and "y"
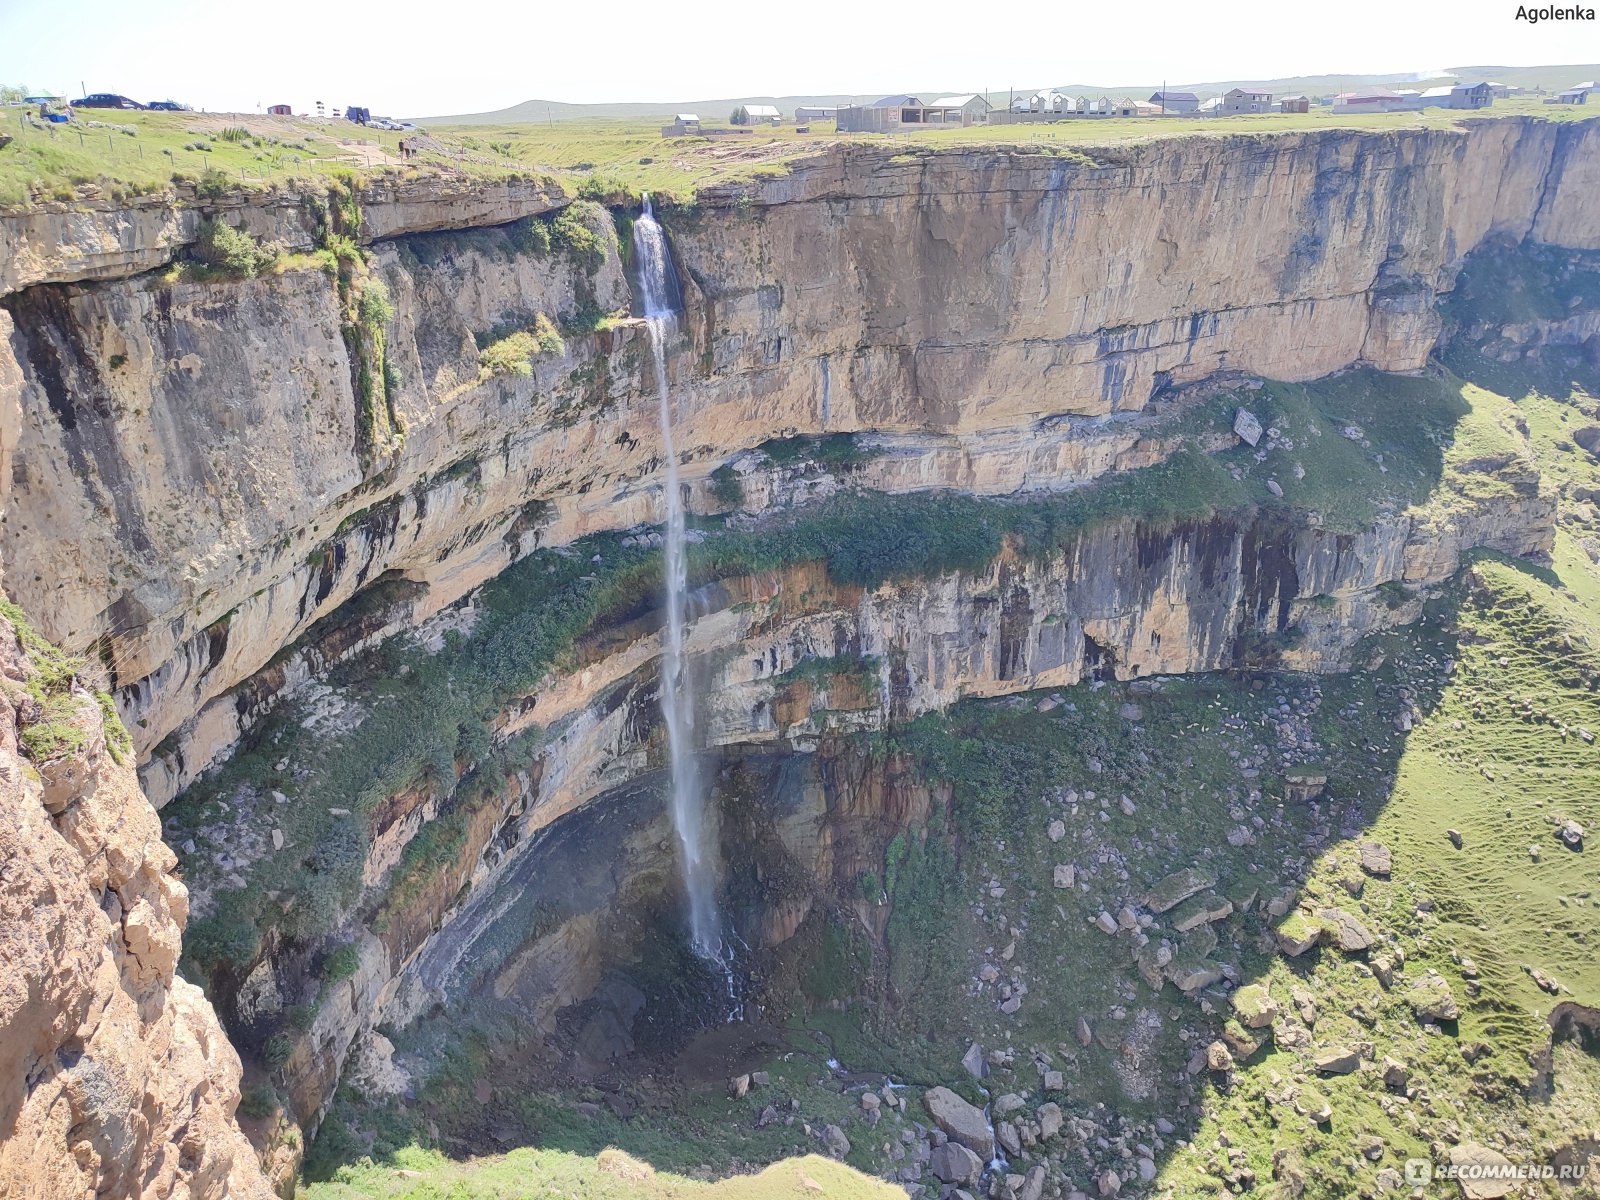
{"x": 535, "y": 1174}
{"x": 606, "y": 159}
{"x": 56, "y": 726}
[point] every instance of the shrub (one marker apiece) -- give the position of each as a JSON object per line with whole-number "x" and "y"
{"x": 547, "y": 336}
{"x": 531, "y": 235}
{"x": 258, "y": 1102}
{"x": 511, "y": 355}
{"x": 341, "y": 964}
{"x": 726, "y": 486}
{"x": 276, "y": 1051}
{"x": 573, "y": 232}
{"x": 374, "y": 309}
{"x": 229, "y": 251}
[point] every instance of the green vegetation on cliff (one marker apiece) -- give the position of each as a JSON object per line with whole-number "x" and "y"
{"x": 125, "y": 155}
{"x": 1383, "y": 874}
{"x": 533, "y": 1174}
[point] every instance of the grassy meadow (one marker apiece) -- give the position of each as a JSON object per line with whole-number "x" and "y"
{"x": 119, "y": 155}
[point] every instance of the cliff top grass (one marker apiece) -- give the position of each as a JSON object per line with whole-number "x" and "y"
{"x": 118, "y": 156}
{"x": 538, "y": 1174}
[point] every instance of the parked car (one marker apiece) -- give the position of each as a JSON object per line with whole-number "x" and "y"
{"x": 167, "y": 106}
{"x": 106, "y": 100}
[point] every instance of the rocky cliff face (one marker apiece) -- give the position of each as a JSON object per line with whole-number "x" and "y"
{"x": 962, "y": 297}
{"x": 221, "y": 488}
{"x": 788, "y": 659}
{"x": 115, "y": 1078}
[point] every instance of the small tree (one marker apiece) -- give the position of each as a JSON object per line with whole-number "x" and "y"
{"x": 737, "y": 117}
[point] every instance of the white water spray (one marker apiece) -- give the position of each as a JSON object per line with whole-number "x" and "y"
{"x": 658, "y": 294}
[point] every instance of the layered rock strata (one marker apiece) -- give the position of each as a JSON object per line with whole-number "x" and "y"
{"x": 965, "y": 294}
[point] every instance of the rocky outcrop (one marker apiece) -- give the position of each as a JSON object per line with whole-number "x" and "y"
{"x": 115, "y": 1078}
{"x": 57, "y": 242}
{"x": 195, "y": 498}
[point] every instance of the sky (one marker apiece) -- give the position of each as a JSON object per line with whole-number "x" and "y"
{"x": 402, "y": 58}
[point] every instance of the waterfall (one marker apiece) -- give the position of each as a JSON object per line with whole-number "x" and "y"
{"x": 658, "y": 293}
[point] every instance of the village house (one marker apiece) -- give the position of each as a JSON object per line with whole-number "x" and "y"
{"x": 280, "y": 110}
{"x": 881, "y": 116}
{"x": 812, "y": 112}
{"x": 1460, "y": 95}
{"x": 1245, "y": 100}
{"x": 756, "y": 114}
{"x": 683, "y": 125}
{"x": 1176, "y": 102}
{"x": 1294, "y": 104}
{"x": 1370, "y": 99}
{"x": 1105, "y": 106}
{"x": 968, "y": 109}
{"x": 1046, "y": 101}
{"x": 1577, "y": 94}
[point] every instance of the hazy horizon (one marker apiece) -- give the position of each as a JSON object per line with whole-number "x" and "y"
{"x": 493, "y": 55}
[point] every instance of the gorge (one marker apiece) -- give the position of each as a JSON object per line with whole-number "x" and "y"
{"x": 1068, "y": 556}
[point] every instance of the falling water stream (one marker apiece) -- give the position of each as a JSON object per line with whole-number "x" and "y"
{"x": 658, "y": 291}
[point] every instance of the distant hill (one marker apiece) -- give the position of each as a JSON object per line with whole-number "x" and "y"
{"x": 711, "y": 110}
{"x": 1547, "y": 78}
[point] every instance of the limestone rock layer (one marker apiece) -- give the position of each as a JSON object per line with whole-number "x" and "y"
{"x": 195, "y": 482}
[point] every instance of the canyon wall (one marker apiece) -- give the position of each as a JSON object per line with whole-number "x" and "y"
{"x": 204, "y": 499}
{"x": 115, "y": 1077}
{"x": 194, "y": 488}
{"x": 788, "y": 659}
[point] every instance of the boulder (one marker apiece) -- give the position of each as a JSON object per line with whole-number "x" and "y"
{"x": 1295, "y": 934}
{"x": 1009, "y": 1103}
{"x": 972, "y": 1061}
{"x": 1376, "y": 859}
{"x": 1190, "y": 977}
{"x": 1201, "y": 910}
{"x": 1344, "y": 931}
{"x": 1337, "y": 1060}
{"x": 1050, "y": 1120}
{"x": 1255, "y": 1006}
{"x": 1571, "y": 835}
{"x": 1247, "y": 425}
{"x": 953, "y": 1163}
{"x": 1396, "y": 1075}
{"x": 1032, "y": 1184}
{"x": 1065, "y": 876}
{"x": 1432, "y": 1000}
{"x": 1482, "y": 1173}
{"x": 1219, "y": 1058}
{"x": 1304, "y": 786}
{"x": 960, "y": 1121}
{"x": 834, "y": 1139}
{"x": 1178, "y": 887}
